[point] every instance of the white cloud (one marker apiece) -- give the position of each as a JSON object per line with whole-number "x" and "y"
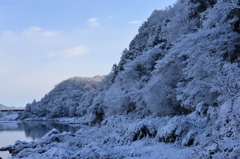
{"x": 49, "y": 33}
{"x": 40, "y": 31}
{"x": 76, "y": 51}
{"x": 134, "y": 22}
{"x": 31, "y": 30}
{"x": 93, "y": 22}
{"x": 110, "y": 16}
{"x": 7, "y": 33}
{"x": 35, "y": 52}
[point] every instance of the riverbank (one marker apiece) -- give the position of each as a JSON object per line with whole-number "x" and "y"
{"x": 9, "y": 117}
{"x": 67, "y": 145}
{"x": 26, "y": 131}
{"x": 116, "y": 137}
{"x": 131, "y": 136}
{"x": 69, "y": 120}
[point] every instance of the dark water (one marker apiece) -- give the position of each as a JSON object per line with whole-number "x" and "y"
{"x": 29, "y": 131}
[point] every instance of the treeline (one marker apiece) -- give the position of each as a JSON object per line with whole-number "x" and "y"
{"x": 184, "y": 58}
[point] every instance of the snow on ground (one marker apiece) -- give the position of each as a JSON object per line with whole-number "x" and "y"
{"x": 89, "y": 143}
{"x": 131, "y": 136}
{"x": 8, "y": 117}
{"x": 70, "y": 120}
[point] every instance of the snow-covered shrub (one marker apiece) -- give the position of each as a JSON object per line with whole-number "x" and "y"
{"x": 139, "y": 131}
{"x": 212, "y": 148}
{"x": 174, "y": 131}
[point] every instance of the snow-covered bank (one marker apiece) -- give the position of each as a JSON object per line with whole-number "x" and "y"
{"x": 131, "y": 136}
{"x": 59, "y": 148}
{"x": 124, "y": 140}
{"x": 67, "y": 120}
{"x": 9, "y": 117}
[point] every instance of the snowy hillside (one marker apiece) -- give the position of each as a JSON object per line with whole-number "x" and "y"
{"x": 68, "y": 98}
{"x": 177, "y": 85}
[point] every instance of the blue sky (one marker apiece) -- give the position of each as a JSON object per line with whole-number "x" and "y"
{"x": 43, "y": 42}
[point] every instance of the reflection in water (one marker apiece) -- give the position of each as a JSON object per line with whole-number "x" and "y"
{"x": 36, "y": 129}
{"x": 10, "y": 126}
{"x": 28, "y": 131}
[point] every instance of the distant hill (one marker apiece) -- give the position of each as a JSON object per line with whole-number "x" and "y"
{"x": 3, "y": 107}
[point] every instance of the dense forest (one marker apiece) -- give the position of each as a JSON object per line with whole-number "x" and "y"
{"x": 177, "y": 82}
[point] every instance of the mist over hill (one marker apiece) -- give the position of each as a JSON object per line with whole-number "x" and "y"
{"x": 178, "y": 82}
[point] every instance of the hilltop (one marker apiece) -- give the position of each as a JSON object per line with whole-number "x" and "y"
{"x": 3, "y": 107}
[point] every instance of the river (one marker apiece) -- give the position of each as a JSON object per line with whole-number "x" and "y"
{"x": 29, "y": 131}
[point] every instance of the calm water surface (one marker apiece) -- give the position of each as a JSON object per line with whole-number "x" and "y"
{"x": 28, "y": 131}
